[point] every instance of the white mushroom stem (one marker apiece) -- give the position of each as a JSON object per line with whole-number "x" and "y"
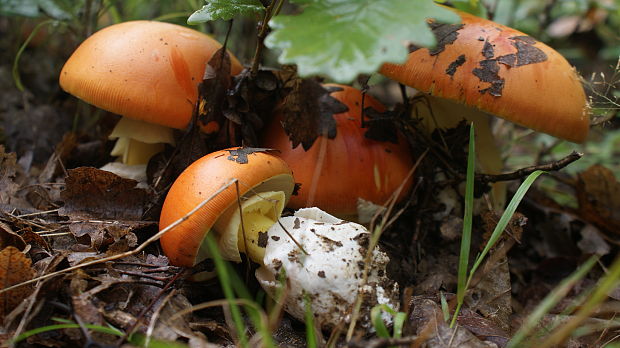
{"x": 444, "y": 114}
{"x": 137, "y": 141}
{"x": 330, "y": 271}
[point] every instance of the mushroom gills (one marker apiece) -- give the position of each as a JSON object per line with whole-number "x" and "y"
{"x": 137, "y": 141}
{"x": 259, "y": 212}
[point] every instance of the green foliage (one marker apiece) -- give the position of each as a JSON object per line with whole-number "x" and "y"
{"x": 225, "y": 9}
{"x": 343, "y": 38}
{"x": 66, "y": 325}
{"x": 234, "y": 288}
{"x": 377, "y": 321}
{"x": 552, "y": 299}
{"x": 57, "y": 9}
{"x": 474, "y": 7}
{"x": 463, "y": 282}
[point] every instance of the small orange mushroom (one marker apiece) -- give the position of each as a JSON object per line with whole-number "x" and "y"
{"x": 265, "y": 186}
{"x": 147, "y": 72}
{"x": 336, "y": 173}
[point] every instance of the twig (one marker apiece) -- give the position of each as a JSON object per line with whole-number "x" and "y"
{"x": 270, "y": 10}
{"x": 142, "y": 314}
{"x": 127, "y": 253}
{"x": 523, "y": 172}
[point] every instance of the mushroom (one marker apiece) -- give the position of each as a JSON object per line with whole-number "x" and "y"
{"x": 500, "y": 71}
{"x": 147, "y": 72}
{"x": 265, "y": 186}
{"x": 335, "y": 174}
{"x": 480, "y": 67}
{"x": 329, "y": 269}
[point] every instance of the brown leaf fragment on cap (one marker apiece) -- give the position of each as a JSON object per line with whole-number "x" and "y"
{"x": 487, "y": 50}
{"x": 489, "y": 72}
{"x": 527, "y": 53}
{"x": 445, "y": 34}
{"x": 240, "y": 155}
{"x": 460, "y": 60}
{"x": 308, "y": 112}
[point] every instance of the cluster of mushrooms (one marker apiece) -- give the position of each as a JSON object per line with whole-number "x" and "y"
{"x": 148, "y": 72}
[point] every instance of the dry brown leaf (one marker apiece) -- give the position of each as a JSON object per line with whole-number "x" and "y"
{"x": 91, "y": 193}
{"x": 598, "y": 194}
{"x": 15, "y": 268}
{"x": 308, "y": 111}
{"x": 10, "y": 238}
{"x": 8, "y": 170}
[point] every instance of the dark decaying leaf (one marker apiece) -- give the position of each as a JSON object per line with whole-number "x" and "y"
{"x": 308, "y": 112}
{"x": 598, "y": 194}
{"x": 91, "y": 193}
{"x": 212, "y": 92}
{"x": 380, "y": 125}
{"x": 8, "y": 170}
{"x": 428, "y": 324}
{"x": 10, "y": 238}
{"x": 15, "y": 268}
{"x": 251, "y": 100}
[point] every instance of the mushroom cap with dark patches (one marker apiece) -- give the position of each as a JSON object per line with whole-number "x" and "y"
{"x": 144, "y": 70}
{"x": 503, "y": 72}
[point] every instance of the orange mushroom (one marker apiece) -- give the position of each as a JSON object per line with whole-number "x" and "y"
{"x": 265, "y": 186}
{"x": 336, "y": 173}
{"x": 479, "y": 68}
{"x": 147, "y": 72}
{"x": 501, "y": 71}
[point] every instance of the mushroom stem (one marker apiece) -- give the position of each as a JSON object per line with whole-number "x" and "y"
{"x": 137, "y": 141}
{"x": 258, "y": 213}
{"x": 443, "y": 113}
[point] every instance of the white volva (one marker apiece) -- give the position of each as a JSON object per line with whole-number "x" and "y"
{"x": 332, "y": 271}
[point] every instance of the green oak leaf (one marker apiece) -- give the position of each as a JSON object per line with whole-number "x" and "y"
{"x": 224, "y": 9}
{"x": 343, "y": 38}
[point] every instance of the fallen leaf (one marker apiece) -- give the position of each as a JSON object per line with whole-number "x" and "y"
{"x": 8, "y": 170}
{"x": 598, "y": 195}
{"x": 91, "y": 193}
{"x": 308, "y": 111}
{"x": 10, "y": 238}
{"x": 15, "y": 268}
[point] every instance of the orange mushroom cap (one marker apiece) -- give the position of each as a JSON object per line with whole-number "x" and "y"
{"x": 144, "y": 70}
{"x": 353, "y": 166}
{"x": 501, "y": 71}
{"x": 262, "y": 172}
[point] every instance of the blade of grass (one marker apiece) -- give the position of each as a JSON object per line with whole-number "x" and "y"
{"x": 467, "y": 223}
{"x": 98, "y": 328}
{"x": 15, "y": 71}
{"x": 505, "y": 219}
{"x": 309, "y": 321}
{"x": 550, "y": 301}
{"x": 377, "y": 321}
{"x": 606, "y": 284}
{"x": 225, "y": 280}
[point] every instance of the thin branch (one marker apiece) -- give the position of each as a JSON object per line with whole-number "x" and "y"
{"x": 523, "y": 172}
